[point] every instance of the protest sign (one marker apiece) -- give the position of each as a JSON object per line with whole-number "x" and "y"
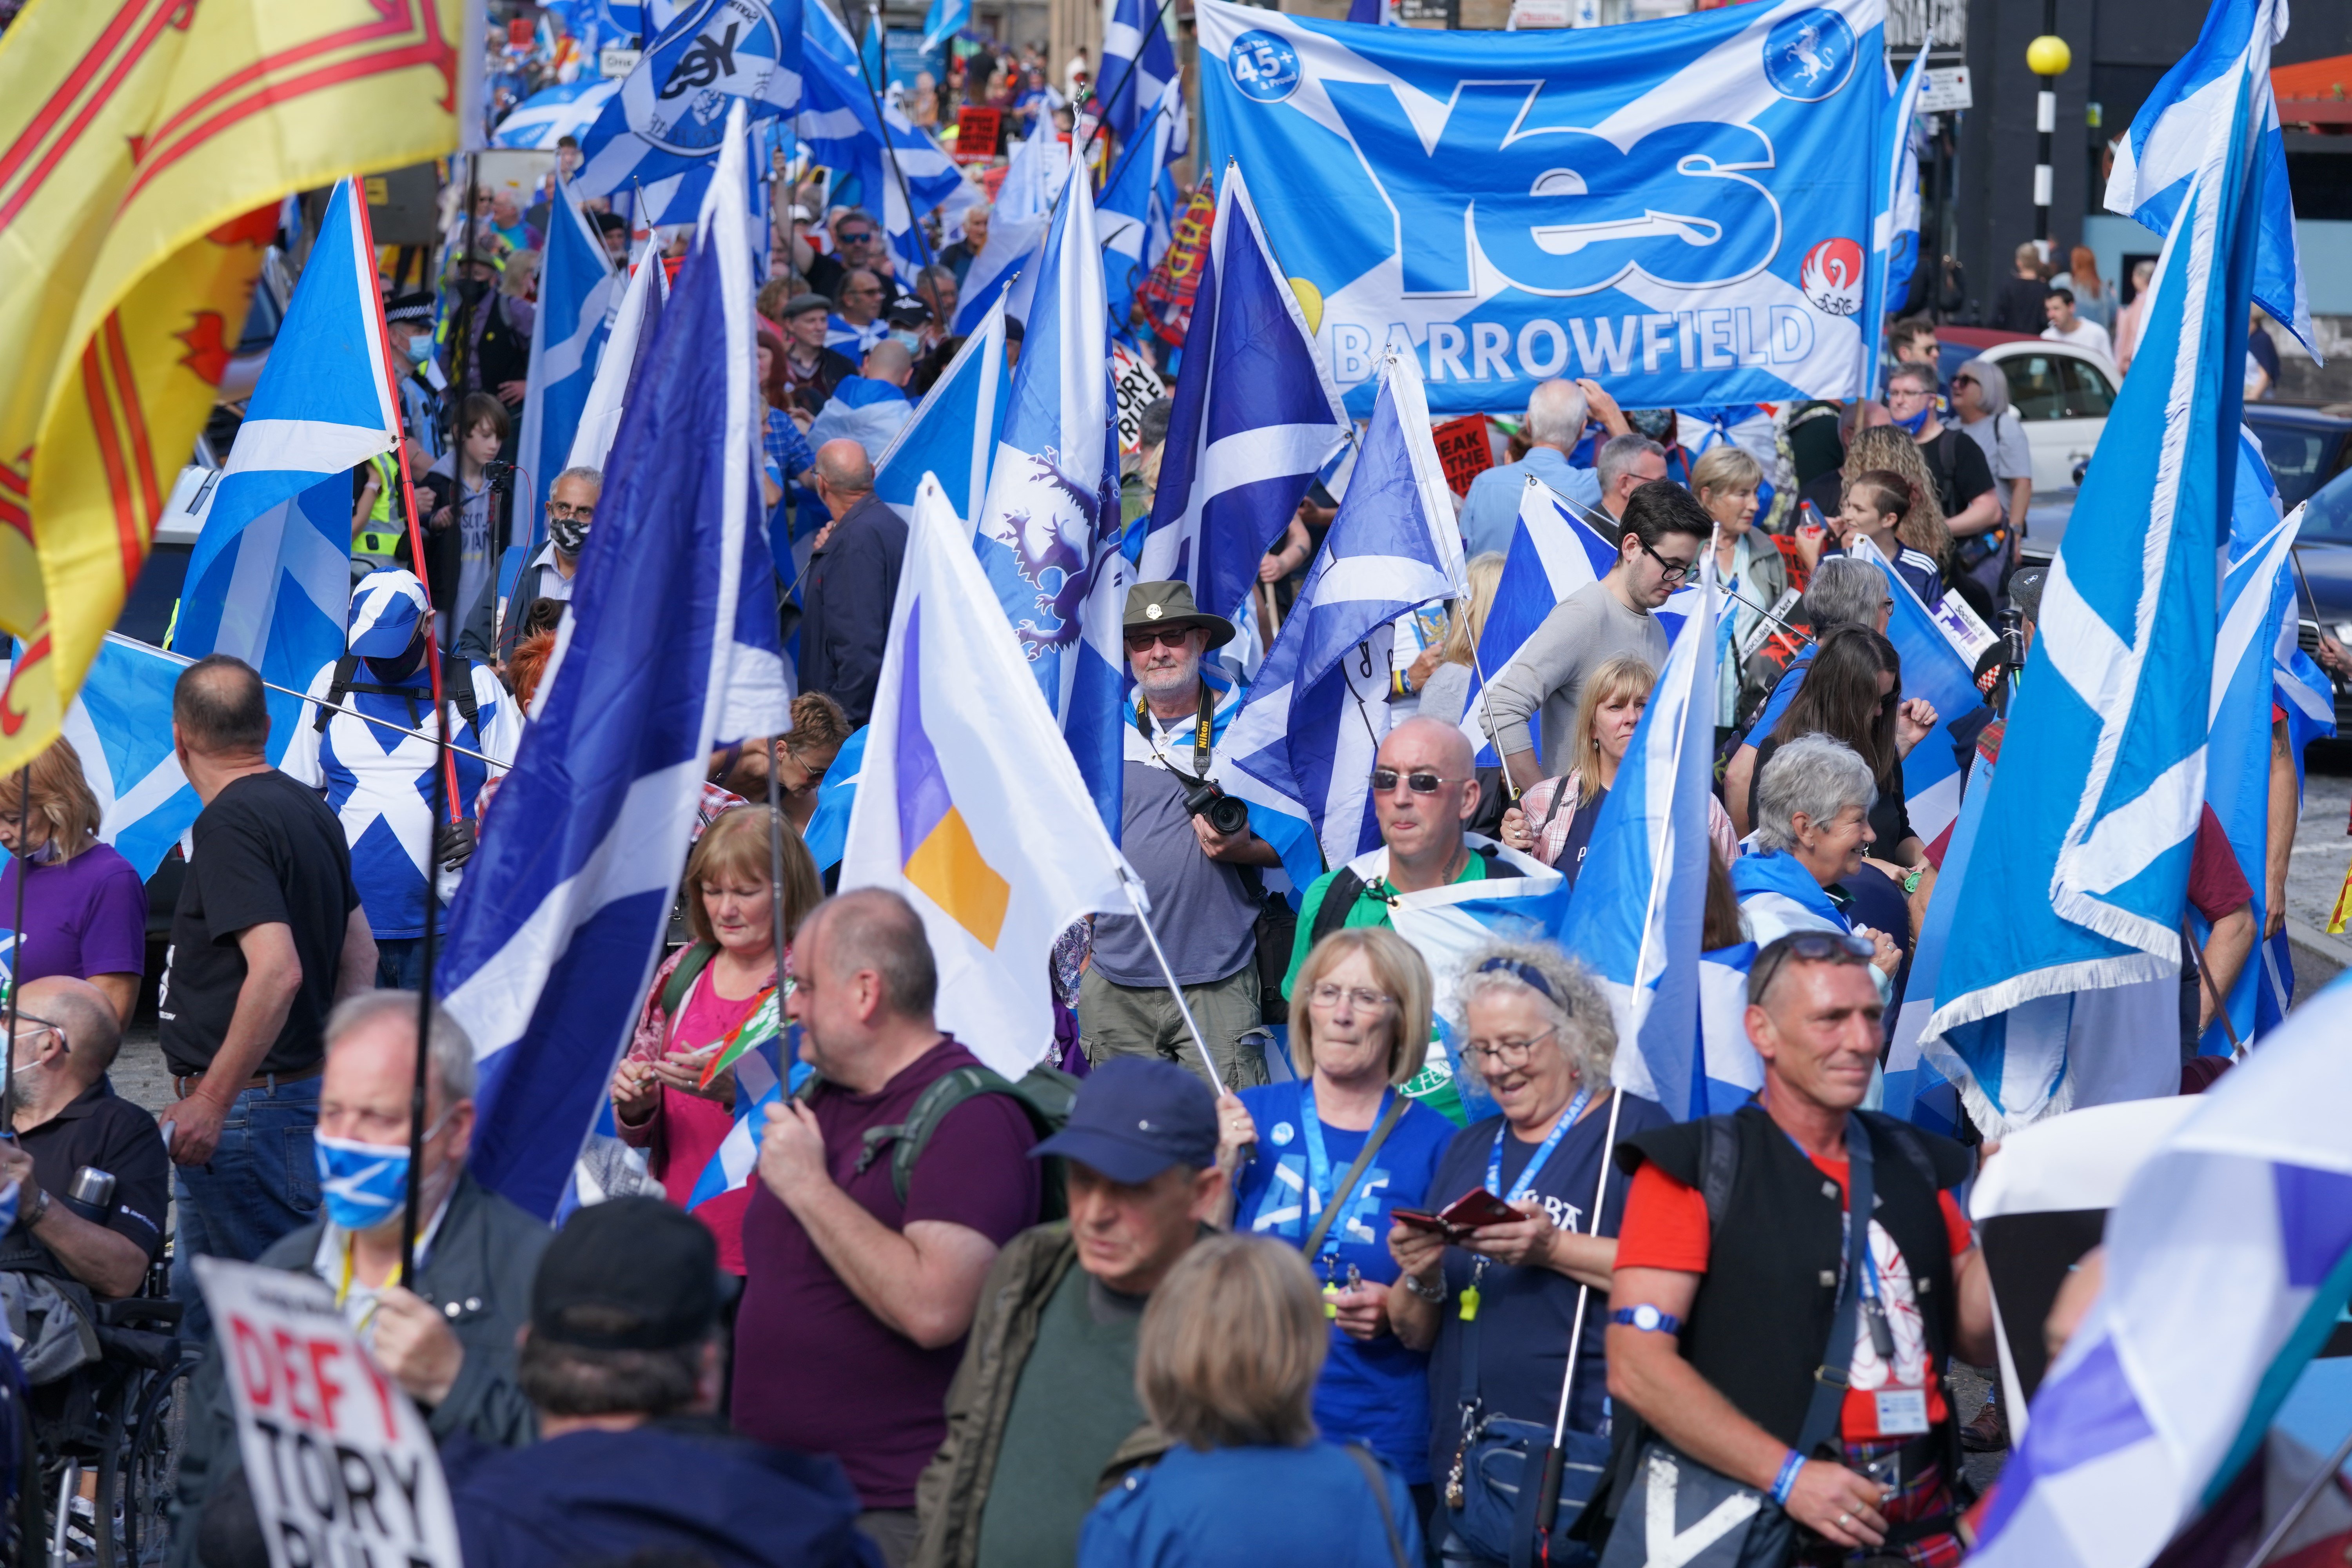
{"x": 342, "y": 1466}
{"x": 1137, "y": 387}
{"x": 978, "y": 131}
{"x": 1462, "y": 448}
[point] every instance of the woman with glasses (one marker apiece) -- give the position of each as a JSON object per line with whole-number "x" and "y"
{"x": 85, "y": 908}
{"x": 1323, "y": 1163}
{"x": 1554, "y": 820}
{"x": 1727, "y": 480}
{"x": 1536, "y": 1034}
{"x": 1980, "y": 397}
{"x": 1813, "y": 802}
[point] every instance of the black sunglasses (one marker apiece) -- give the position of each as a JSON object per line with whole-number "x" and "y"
{"x": 1166, "y": 636}
{"x": 1420, "y": 781}
{"x": 1842, "y": 948}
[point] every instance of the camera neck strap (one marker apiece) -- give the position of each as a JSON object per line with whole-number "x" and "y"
{"x": 1204, "y": 729}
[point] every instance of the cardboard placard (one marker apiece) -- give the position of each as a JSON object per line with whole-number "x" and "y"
{"x": 1137, "y": 386}
{"x": 342, "y": 1466}
{"x": 1462, "y": 448}
{"x": 978, "y": 131}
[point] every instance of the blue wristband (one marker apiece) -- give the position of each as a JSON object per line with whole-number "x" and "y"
{"x": 1786, "y": 1481}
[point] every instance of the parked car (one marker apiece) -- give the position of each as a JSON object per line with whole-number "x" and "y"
{"x": 2305, "y": 447}
{"x": 2062, "y": 393}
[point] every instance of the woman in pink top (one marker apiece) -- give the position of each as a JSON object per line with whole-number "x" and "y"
{"x": 657, "y": 1098}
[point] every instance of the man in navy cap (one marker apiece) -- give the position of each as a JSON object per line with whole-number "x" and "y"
{"x": 1043, "y": 1413}
{"x": 376, "y": 765}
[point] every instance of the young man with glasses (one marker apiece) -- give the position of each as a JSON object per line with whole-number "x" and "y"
{"x": 1666, "y": 529}
{"x": 1204, "y": 881}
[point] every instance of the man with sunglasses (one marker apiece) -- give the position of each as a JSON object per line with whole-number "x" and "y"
{"x": 857, "y": 242}
{"x": 1665, "y": 530}
{"x": 1203, "y": 883}
{"x": 65, "y": 1117}
{"x": 1739, "y": 1334}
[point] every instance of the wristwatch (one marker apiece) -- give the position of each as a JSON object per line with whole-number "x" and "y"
{"x": 1427, "y": 1292}
{"x": 38, "y": 1211}
{"x": 1647, "y": 1319}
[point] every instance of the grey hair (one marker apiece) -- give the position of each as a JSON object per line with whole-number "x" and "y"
{"x": 1619, "y": 454}
{"x": 936, "y": 274}
{"x": 1993, "y": 384}
{"x": 1579, "y": 1015}
{"x": 1555, "y": 415}
{"x": 579, "y": 471}
{"x": 1844, "y": 589}
{"x": 1918, "y": 376}
{"x": 1814, "y": 775}
{"x": 452, "y": 1050}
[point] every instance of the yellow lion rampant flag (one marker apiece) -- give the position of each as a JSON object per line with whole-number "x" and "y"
{"x": 144, "y": 148}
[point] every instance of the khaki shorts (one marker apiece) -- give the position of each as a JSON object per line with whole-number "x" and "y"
{"x": 1116, "y": 1020}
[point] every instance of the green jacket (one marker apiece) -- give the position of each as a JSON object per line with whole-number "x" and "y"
{"x": 953, "y": 1489}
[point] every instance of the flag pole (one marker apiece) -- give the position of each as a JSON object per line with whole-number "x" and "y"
{"x": 17, "y": 948}
{"x": 922, "y": 240}
{"x": 1135, "y": 902}
{"x": 776, "y": 873}
{"x": 1556, "y": 1456}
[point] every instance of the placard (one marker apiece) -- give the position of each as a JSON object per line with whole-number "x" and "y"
{"x": 977, "y": 131}
{"x": 1462, "y": 448}
{"x": 343, "y": 1467}
{"x": 1137, "y": 386}
{"x": 1945, "y": 89}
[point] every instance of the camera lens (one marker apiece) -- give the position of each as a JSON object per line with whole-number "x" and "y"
{"x": 1228, "y": 816}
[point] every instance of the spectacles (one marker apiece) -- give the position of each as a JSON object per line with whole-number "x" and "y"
{"x": 1961, "y": 381}
{"x": 1672, "y": 571}
{"x": 1508, "y": 1053}
{"x": 1166, "y": 636}
{"x": 1420, "y": 781}
{"x": 1806, "y": 947}
{"x": 566, "y": 509}
{"x": 857, "y": 236}
{"x": 1326, "y": 994}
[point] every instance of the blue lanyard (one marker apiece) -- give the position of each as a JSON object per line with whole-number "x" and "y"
{"x": 1318, "y": 1172}
{"x": 1534, "y": 1166}
{"x": 1869, "y": 1280}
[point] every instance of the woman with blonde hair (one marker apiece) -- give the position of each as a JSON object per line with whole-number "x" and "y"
{"x": 1554, "y": 820}
{"x": 1727, "y": 479}
{"x": 1323, "y": 1163}
{"x": 1226, "y": 1364}
{"x": 1885, "y": 447}
{"x": 701, "y": 999}
{"x": 85, "y": 907}
{"x": 1445, "y": 687}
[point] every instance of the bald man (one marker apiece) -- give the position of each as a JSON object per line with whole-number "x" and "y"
{"x": 853, "y": 580}
{"x": 67, "y": 1117}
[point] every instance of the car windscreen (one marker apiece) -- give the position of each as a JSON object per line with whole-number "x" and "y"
{"x": 2328, "y": 519}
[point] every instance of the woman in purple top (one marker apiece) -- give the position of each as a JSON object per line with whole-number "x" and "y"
{"x": 85, "y": 908}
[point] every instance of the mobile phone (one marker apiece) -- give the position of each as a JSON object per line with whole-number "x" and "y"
{"x": 1477, "y": 1209}
{"x": 1417, "y": 1220}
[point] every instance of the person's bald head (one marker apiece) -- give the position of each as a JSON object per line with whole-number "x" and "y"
{"x": 1422, "y": 828}
{"x": 82, "y": 1014}
{"x": 844, "y": 476}
{"x": 888, "y": 361}
{"x": 219, "y": 710}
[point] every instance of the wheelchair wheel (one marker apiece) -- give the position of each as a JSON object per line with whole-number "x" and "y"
{"x": 26, "y": 1534}
{"x": 135, "y": 1475}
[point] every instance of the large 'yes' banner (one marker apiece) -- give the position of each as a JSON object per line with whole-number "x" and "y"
{"x": 1681, "y": 209}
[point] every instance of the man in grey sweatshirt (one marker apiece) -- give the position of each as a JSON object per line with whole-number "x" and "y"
{"x": 1666, "y": 529}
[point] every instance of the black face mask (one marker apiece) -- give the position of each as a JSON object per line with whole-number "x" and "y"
{"x": 399, "y": 668}
{"x": 471, "y": 289}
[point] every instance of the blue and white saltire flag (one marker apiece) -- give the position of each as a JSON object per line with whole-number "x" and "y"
{"x": 546, "y": 117}
{"x": 121, "y": 724}
{"x": 943, "y": 21}
{"x": 954, "y": 432}
{"x": 271, "y": 578}
{"x": 1933, "y": 672}
{"x": 1682, "y": 211}
{"x": 2160, "y": 154}
{"x": 1446, "y": 924}
{"x": 1305, "y": 737}
{"x": 839, "y": 127}
{"x": 970, "y": 805}
{"x": 625, "y": 348}
{"x": 670, "y": 650}
{"x": 2060, "y": 982}
{"x": 1253, "y": 420}
{"x": 1139, "y": 61}
{"x": 1123, "y": 211}
{"x": 1047, "y": 533}
{"x": 1895, "y": 200}
{"x": 577, "y": 288}
{"x": 1024, "y": 211}
{"x": 1549, "y": 560}
{"x": 1731, "y": 1070}
{"x": 760, "y": 1081}
{"x": 664, "y": 128}
{"x": 2228, "y": 1263}
{"x": 1913, "y": 1089}
{"x": 1638, "y": 910}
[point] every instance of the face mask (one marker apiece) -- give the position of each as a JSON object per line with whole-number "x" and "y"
{"x": 363, "y": 1185}
{"x": 913, "y": 341}
{"x": 47, "y": 853}
{"x": 569, "y": 534}
{"x": 420, "y": 347}
{"x": 472, "y": 289}
{"x": 1911, "y": 427}
{"x": 402, "y": 665}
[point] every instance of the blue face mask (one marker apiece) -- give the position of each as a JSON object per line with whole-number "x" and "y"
{"x": 1911, "y": 427}
{"x": 420, "y": 347}
{"x": 363, "y": 1185}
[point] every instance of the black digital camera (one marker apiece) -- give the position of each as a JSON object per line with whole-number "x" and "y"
{"x": 1204, "y": 798}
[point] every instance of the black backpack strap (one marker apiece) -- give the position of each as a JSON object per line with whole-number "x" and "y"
{"x": 346, "y": 668}
{"x": 1339, "y": 896}
{"x": 458, "y": 685}
{"x": 1496, "y": 867}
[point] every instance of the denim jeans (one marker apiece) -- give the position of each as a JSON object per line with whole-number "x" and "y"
{"x": 261, "y": 1184}
{"x": 399, "y": 962}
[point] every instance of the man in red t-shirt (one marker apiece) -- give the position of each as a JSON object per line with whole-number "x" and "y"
{"x": 1715, "y": 1338}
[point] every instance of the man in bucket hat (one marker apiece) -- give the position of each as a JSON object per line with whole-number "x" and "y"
{"x": 1194, "y": 847}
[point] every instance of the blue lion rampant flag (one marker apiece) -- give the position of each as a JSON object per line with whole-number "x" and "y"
{"x": 671, "y": 651}
{"x": 1684, "y": 210}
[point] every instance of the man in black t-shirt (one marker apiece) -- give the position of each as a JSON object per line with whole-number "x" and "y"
{"x": 267, "y": 936}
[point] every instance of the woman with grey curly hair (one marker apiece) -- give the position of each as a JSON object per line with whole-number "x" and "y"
{"x": 1535, "y": 1031}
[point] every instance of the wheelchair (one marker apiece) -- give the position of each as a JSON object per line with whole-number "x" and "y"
{"x": 115, "y": 1424}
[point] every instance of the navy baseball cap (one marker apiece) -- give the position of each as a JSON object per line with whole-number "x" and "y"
{"x": 1134, "y": 1118}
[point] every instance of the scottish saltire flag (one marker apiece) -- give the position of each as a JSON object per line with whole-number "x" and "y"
{"x": 971, "y": 805}
{"x": 624, "y": 349}
{"x": 2228, "y": 1263}
{"x": 1911, "y": 1086}
{"x": 1548, "y": 562}
{"x": 1124, "y": 208}
{"x": 1047, "y": 533}
{"x": 954, "y": 432}
{"x": 755, "y": 1053}
{"x": 1934, "y": 672}
{"x": 2059, "y": 984}
{"x": 943, "y": 21}
{"x": 1139, "y": 61}
{"x": 271, "y": 578}
{"x": 2157, "y": 159}
{"x": 1007, "y": 266}
{"x": 828, "y": 828}
{"x": 901, "y": 169}
{"x": 1895, "y": 201}
{"x": 1304, "y": 742}
{"x": 1729, "y": 1065}
{"x": 549, "y": 115}
{"x": 1638, "y": 910}
{"x": 670, "y": 649}
{"x": 1446, "y": 924}
{"x": 1254, "y": 420}
{"x": 121, "y": 724}
{"x": 1683, "y": 210}
{"x": 662, "y": 130}
{"x": 576, "y": 289}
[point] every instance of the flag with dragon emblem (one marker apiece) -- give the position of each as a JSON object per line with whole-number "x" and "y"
{"x": 144, "y": 148}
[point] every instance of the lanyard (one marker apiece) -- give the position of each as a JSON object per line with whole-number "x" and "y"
{"x": 1868, "y": 1279}
{"x": 1203, "y": 730}
{"x": 344, "y": 1288}
{"x": 1543, "y": 1153}
{"x": 1319, "y": 1171}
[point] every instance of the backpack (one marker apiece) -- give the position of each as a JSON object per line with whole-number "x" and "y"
{"x": 1044, "y": 1093}
{"x": 1347, "y": 888}
{"x": 457, "y": 685}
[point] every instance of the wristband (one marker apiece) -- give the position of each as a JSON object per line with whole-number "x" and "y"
{"x": 1786, "y": 1481}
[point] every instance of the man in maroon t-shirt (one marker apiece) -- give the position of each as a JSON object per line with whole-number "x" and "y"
{"x": 855, "y": 1305}
{"x": 2219, "y": 892}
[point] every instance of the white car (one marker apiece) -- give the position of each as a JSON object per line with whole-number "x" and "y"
{"x": 2062, "y": 395}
